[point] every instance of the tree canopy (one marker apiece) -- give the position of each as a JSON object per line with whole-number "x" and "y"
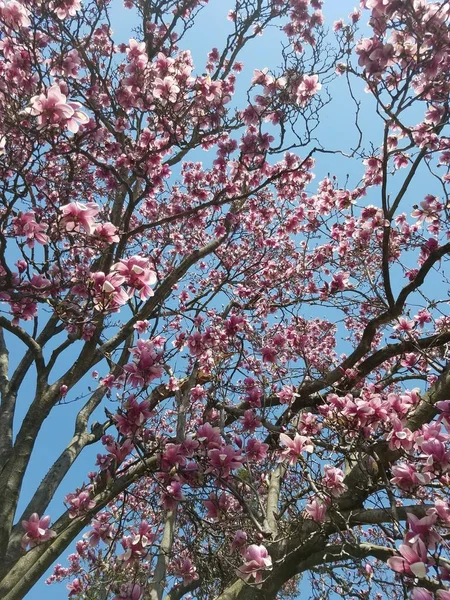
{"x": 259, "y": 359}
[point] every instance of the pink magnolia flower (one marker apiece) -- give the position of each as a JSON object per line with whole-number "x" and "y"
{"x": 403, "y": 325}
{"x": 250, "y": 421}
{"x": 166, "y": 89}
{"x": 442, "y": 510}
{"x": 107, "y": 232}
{"x": 184, "y": 569}
{"x": 172, "y": 495}
{"x": 444, "y": 408}
{"x": 317, "y": 510}
{"x": 52, "y": 109}
{"x": 436, "y": 454}
{"x": 37, "y": 531}
{"x": 400, "y": 437}
{"x": 79, "y": 503}
{"x": 146, "y": 365}
{"x": 286, "y": 395}
{"x": 136, "y": 544}
{"x": 218, "y": 506}
{"x": 66, "y": 8}
{"x": 141, "y": 327}
{"x": 422, "y": 529}
{"x": 340, "y": 282}
{"x": 138, "y": 274}
{"x": 77, "y": 215}
{"x": 101, "y": 530}
{"x": 173, "y": 455}
{"x": 406, "y": 476}
{"x": 75, "y": 587}
{"x": 132, "y": 417}
{"x": 257, "y": 560}
{"x": 119, "y": 451}
{"x": 334, "y": 480}
{"x": 443, "y": 595}
{"x": 15, "y": 14}
{"x": 413, "y": 560}
{"x": 308, "y": 86}
{"x": 420, "y": 593}
{"x": 195, "y": 343}
{"x": 209, "y": 435}
{"x": 239, "y": 540}
{"x": 224, "y": 459}
{"x": 109, "y": 294}
{"x": 25, "y": 224}
{"x": 256, "y": 450}
{"x": 269, "y": 354}
{"x": 295, "y": 447}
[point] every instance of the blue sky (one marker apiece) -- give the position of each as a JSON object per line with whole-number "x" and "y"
{"x": 337, "y": 128}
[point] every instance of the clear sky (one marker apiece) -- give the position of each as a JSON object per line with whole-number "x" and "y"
{"x": 336, "y": 128}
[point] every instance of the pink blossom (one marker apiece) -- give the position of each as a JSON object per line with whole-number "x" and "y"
{"x": 403, "y": 325}
{"x": 129, "y": 591}
{"x": 239, "y": 540}
{"x": 195, "y": 343}
{"x": 15, "y": 14}
{"x": 225, "y": 459}
{"x": 413, "y": 560}
{"x": 250, "y": 421}
{"x": 138, "y": 274}
{"x": 419, "y": 593}
{"x": 436, "y": 454}
{"x": 374, "y": 56}
{"x": 174, "y": 455}
{"x": 317, "y": 510}
{"x": 52, "y": 109}
{"x": 257, "y": 561}
{"x": 136, "y": 544}
{"x": 423, "y": 529}
{"x": 166, "y": 89}
{"x": 37, "y": 531}
{"x": 210, "y": 436}
{"x": 295, "y": 447}
{"x": 172, "y": 495}
{"x": 75, "y": 587}
{"x": 286, "y": 395}
{"x": 442, "y": 510}
{"x": 77, "y": 215}
{"x": 400, "y": 437}
{"x": 406, "y": 476}
{"x": 109, "y": 294}
{"x": 340, "y": 282}
{"x": 25, "y": 224}
{"x": 218, "y": 506}
{"x": 308, "y": 86}
{"x": 333, "y": 480}
{"x": 269, "y": 354}
{"x": 79, "y": 503}
{"x": 65, "y": 8}
{"x": 253, "y": 396}
{"x": 184, "y": 569}
{"x": 141, "y": 326}
{"x": 132, "y": 417}
{"x": 256, "y": 450}
{"x": 101, "y": 530}
{"x": 107, "y": 232}
{"x": 146, "y": 365}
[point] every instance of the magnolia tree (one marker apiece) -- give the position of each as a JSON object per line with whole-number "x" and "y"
{"x": 259, "y": 360}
